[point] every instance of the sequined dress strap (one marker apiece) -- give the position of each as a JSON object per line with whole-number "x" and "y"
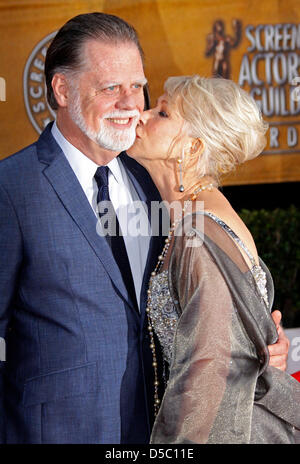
{"x": 233, "y": 235}
{"x": 258, "y": 273}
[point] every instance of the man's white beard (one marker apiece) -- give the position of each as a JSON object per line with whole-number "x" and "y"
{"x": 107, "y": 137}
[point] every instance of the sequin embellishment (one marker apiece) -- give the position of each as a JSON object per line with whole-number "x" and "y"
{"x": 162, "y": 312}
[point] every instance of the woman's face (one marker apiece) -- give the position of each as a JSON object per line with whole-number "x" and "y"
{"x": 160, "y": 134}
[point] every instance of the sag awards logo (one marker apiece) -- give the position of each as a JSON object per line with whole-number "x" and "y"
{"x": 219, "y": 45}
{"x": 37, "y": 108}
{"x": 269, "y": 70}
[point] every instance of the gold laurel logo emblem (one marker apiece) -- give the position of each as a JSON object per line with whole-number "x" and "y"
{"x": 34, "y": 85}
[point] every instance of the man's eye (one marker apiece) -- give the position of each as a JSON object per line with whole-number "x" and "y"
{"x": 163, "y": 114}
{"x": 111, "y": 89}
{"x": 137, "y": 86}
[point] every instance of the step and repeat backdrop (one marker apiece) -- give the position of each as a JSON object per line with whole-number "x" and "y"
{"x": 254, "y": 43}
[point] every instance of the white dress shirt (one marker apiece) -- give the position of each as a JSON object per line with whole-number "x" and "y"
{"x": 123, "y": 195}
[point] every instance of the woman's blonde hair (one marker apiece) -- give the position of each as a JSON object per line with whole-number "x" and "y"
{"x": 223, "y": 116}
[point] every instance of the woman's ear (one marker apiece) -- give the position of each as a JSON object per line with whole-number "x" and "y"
{"x": 197, "y": 147}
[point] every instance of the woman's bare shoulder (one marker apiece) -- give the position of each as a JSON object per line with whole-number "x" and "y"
{"x": 220, "y": 207}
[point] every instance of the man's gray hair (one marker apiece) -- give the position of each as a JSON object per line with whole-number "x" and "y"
{"x": 65, "y": 51}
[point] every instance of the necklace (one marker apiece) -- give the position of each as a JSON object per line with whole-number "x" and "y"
{"x": 158, "y": 266}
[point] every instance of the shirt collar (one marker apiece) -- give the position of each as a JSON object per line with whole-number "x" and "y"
{"x": 115, "y": 169}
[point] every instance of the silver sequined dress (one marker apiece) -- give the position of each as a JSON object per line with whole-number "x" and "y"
{"x": 163, "y": 312}
{"x": 211, "y": 313}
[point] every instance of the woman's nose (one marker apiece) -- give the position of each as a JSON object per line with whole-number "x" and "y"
{"x": 145, "y": 115}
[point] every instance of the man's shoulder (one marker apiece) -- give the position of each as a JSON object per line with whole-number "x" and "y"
{"x": 27, "y": 156}
{"x": 17, "y": 163}
{"x": 19, "y": 156}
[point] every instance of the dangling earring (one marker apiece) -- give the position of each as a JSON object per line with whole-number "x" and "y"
{"x": 181, "y": 187}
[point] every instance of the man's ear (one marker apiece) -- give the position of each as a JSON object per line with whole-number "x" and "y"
{"x": 60, "y": 89}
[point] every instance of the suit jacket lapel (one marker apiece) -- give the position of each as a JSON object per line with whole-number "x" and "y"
{"x": 67, "y": 187}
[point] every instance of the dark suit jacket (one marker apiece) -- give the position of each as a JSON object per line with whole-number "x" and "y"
{"x": 78, "y": 364}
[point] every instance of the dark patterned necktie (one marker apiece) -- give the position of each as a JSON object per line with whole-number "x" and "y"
{"x": 115, "y": 238}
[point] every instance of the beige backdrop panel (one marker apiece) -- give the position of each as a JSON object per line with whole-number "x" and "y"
{"x": 174, "y": 36}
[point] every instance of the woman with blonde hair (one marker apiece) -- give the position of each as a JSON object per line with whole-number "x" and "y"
{"x": 210, "y": 295}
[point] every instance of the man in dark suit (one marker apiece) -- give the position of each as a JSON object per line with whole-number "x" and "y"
{"x": 78, "y": 365}
{"x": 77, "y": 348}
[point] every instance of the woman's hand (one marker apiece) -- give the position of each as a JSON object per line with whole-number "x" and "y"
{"x": 279, "y": 351}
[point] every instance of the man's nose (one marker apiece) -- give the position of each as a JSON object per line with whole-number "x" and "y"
{"x": 129, "y": 101}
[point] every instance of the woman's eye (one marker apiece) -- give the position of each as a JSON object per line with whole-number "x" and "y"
{"x": 163, "y": 114}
